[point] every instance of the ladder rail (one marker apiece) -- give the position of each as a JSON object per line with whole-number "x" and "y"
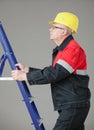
{"x": 35, "y": 117}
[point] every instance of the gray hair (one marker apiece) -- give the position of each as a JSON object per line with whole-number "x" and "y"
{"x": 69, "y": 31}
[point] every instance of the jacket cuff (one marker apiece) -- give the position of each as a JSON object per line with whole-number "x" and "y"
{"x": 28, "y": 75}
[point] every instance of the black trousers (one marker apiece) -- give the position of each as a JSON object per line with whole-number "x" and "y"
{"x": 71, "y": 119}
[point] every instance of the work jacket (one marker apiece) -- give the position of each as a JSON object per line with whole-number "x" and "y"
{"x": 67, "y": 75}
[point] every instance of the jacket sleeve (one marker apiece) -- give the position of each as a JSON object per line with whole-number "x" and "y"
{"x": 47, "y": 75}
{"x": 33, "y": 69}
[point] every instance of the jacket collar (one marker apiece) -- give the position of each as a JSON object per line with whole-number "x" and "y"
{"x": 64, "y": 43}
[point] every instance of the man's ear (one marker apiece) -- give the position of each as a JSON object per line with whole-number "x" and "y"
{"x": 64, "y": 32}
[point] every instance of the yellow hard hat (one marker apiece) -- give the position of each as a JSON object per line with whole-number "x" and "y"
{"x": 68, "y": 19}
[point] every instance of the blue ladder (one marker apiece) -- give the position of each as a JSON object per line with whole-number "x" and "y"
{"x": 27, "y": 97}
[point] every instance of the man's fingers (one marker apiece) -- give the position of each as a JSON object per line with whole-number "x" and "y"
{"x": 18, "y": 75}
{"x": 18, "y": 65}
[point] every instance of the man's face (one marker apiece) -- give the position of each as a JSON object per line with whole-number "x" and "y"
{"x": 56, "y": 31}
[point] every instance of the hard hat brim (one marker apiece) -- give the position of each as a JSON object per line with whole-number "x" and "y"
{"x": 52, "y": 22}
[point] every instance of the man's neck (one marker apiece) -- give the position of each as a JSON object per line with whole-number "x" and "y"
{"x": 59, "y": 41}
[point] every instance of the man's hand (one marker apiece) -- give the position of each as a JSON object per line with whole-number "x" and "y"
{"x": 18, "y": 75}
{"x": 22, "y": 67}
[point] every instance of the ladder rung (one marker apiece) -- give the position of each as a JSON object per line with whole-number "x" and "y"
{"x": 31, "y": 99}
{"x": 40, "y": 122}
{"x": 6, "y": 78}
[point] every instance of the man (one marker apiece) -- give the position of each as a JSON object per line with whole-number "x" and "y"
{"x": 67, "y": 74}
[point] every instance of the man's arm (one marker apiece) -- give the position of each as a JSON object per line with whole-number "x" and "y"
{"x": 47, "y": 75}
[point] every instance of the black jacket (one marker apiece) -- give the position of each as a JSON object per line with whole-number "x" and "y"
{"x": 68, "y": 89}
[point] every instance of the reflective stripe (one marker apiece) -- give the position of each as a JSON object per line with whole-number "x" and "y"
{"x": 81, "y": 72}
{"x": 70, "y": 69}
{"x": 65, "y": 65}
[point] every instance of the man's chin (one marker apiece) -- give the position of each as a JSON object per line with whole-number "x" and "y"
{"x": 51, "y": 38}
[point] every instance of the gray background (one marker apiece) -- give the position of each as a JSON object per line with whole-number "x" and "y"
{"x": 26, "y": 25}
